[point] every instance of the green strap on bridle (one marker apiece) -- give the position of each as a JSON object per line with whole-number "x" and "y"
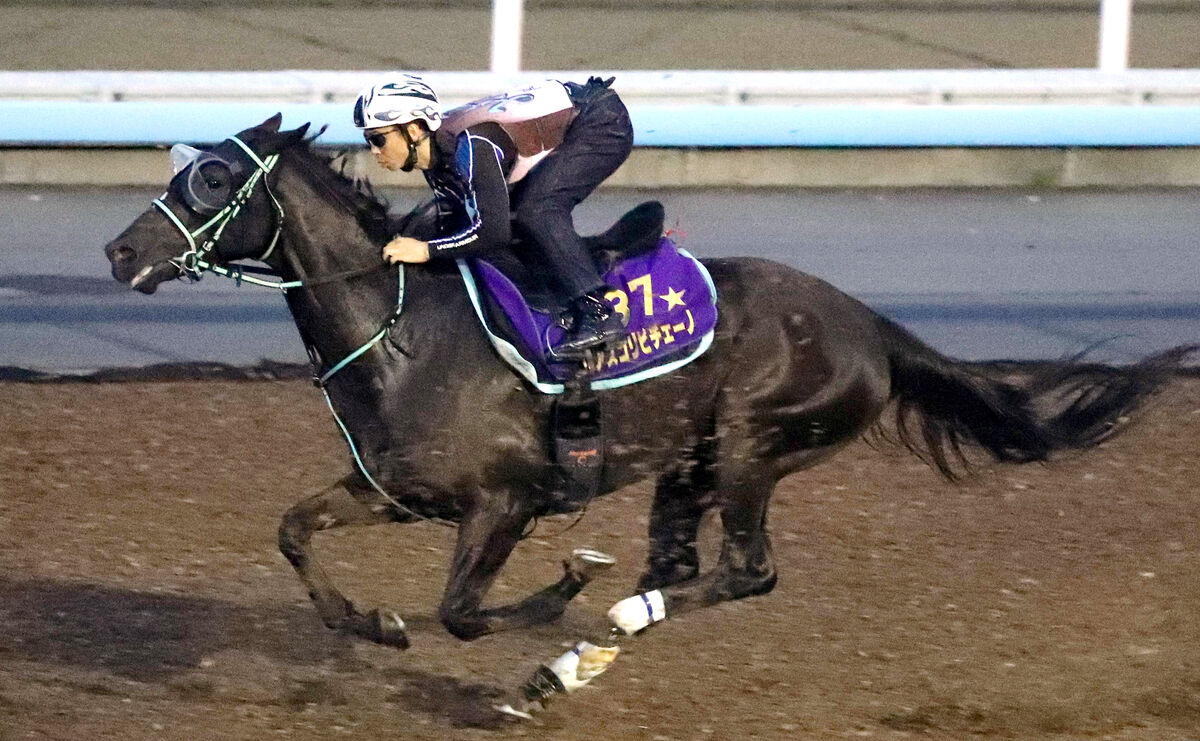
{"x": 193, "y": 262}
{"x": 324, "y": 377}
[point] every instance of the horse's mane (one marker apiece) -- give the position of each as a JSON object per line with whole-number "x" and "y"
{"x": 327, "y": 172}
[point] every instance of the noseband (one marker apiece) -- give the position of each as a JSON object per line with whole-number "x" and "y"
{"x": 194, "y": 261}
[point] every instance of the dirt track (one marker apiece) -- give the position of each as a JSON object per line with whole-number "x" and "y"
{"x": 143, "y": 596}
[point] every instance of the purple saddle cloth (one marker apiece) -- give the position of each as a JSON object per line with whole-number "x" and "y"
{"x": 666, "y": 295}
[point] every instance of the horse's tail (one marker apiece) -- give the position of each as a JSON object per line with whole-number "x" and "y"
{"x": 1017, "y": 412}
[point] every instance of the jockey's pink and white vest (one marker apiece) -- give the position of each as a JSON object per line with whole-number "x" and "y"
{"x": 535, "y": 118}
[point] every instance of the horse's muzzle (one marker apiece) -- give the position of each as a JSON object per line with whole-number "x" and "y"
{"x": 126, "y": 268}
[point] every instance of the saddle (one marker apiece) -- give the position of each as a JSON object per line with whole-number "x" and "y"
{"x": 665, "y": 294}
{"x": 667, "y": 297}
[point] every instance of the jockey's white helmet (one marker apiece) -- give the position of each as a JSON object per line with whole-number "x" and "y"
{"x": 397, "y": 99}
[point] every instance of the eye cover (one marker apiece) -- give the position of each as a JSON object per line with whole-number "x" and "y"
{"x": 183, "y": 155}
{"x": 208, "y": 184}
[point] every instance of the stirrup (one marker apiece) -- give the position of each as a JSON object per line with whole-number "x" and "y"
{"x": 585, "y": 352}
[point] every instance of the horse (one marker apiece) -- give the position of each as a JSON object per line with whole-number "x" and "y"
{"x": 441, "y": 430}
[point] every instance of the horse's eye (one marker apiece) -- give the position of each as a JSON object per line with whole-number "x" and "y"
{"x": 214, "y": 176}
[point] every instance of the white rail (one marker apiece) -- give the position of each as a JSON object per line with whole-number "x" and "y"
{"x": 913, "y": 87}
{"x": 1113, "y": 47}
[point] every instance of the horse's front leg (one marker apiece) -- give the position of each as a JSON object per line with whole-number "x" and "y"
{"x": 332, "y": 508}
{"x": 486, "y": 538}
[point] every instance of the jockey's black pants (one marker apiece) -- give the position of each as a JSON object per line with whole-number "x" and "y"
{"x": 593, "y": 147}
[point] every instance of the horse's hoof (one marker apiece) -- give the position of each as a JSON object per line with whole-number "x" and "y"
{"x": 388, "y": 629}
{"x": 593, "y": 661}
{"x": 586, "y": 564}
{"x": 574, "y": 669}
{"x": 523, "y": 713}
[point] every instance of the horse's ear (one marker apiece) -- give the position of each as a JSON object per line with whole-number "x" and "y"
{"x": 297, "y": 134}
{"x": 272, "y": 124}
{"x": 264, "y": 130}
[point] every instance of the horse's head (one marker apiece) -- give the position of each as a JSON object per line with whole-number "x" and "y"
{"x": 217, "y": 208}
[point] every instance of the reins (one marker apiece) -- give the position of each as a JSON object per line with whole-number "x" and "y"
{"x": 193, "y": 264}
{"x": 322, "y": 380}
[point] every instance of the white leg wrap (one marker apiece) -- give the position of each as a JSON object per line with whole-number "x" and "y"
{"x": 633, "y": 614}
{"x": 581, "y": 664}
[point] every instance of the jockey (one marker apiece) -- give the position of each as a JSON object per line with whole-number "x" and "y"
{"x": 528, "y": 155}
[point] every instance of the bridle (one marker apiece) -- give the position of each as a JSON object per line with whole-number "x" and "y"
{"x": 193, "y": 262}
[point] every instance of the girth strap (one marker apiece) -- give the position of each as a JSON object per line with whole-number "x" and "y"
{"x": 577, "y": 439}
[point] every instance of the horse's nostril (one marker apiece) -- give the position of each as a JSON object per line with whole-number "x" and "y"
{"x": 120, "y": 253}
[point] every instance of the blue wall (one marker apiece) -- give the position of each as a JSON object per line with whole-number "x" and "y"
{"x": 54, "y": 123}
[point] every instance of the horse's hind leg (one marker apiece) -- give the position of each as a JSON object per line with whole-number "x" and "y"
{"x": 333, "y": 508}
{"x": 746, "y": 566}
{"x": 681, "y": 498}
{"x": 675, "y": 520}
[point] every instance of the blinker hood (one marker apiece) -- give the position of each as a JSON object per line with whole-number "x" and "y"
{"x": 208, "y": 185}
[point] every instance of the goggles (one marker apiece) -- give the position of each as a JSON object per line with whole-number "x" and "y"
{"x": 378, "y": 139}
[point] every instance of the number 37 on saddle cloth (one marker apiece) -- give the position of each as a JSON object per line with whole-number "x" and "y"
{"x": 665, "y": 294}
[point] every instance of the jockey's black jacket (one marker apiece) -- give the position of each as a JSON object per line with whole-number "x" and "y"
{"x": 477, "y": 209}
{"x": 472, "y": 195}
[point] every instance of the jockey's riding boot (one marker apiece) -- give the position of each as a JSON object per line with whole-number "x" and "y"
{"x": 597, "y": 324}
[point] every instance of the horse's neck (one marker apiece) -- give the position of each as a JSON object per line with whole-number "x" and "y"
{"x": 336, "y": 317}
{"x": 321, "y": 240}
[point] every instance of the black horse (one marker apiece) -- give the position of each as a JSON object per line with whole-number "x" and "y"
{"x": 445, "y": 431}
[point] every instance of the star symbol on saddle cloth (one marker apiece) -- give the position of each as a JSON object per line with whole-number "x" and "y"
{"x": 673, "y": 298}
